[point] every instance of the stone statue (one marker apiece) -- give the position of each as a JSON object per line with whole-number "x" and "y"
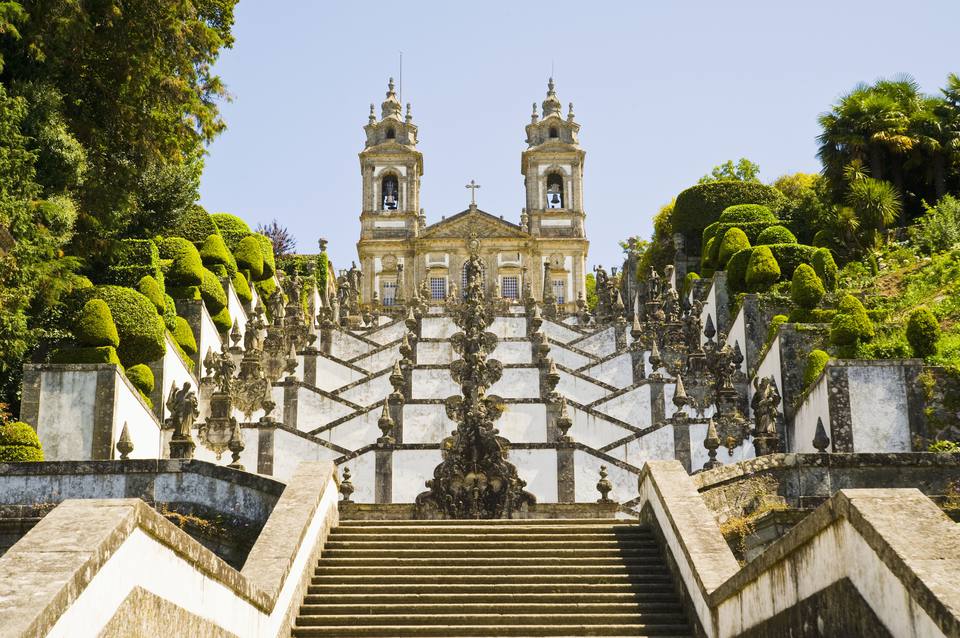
{"x": 223, "y": 370}
{"x": 182, "y": 405}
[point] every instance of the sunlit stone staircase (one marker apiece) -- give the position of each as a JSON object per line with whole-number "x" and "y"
{"x": 491, "y": 578}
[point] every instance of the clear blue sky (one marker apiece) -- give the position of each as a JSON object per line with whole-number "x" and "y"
{"x": 663, "y": 91}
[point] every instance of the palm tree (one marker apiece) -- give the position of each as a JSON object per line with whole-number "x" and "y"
{"x": 876, "y": 204}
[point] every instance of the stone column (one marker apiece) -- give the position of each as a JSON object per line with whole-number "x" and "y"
{"x": 290, "y": 400}
{"x": 566, "y": 482}
{"x": 265, "y": 448}
{"x": 383, "y": 481}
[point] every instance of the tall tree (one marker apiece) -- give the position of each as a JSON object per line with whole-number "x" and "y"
{"x": 283, "y": 240}
{"x": 744, "y": 171}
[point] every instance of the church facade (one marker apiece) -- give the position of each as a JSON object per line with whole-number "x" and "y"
{"x": 543, "y": 256}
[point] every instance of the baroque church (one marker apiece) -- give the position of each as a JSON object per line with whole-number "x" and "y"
{"x": 545, "y": 254}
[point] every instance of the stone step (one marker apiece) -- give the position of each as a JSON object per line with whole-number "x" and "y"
{"x": 493, "y": 618}
{"x": 483, "y": 530}
{"x": 645, "y": 609}
{"x": 443, "y": 596}
{"x": 495, "y": 578}
{"x": 334, "y": 586}
{"x": 483, "y": 559}
{"x": 488, "y": 538}
{"x": 484, "y": 545}
{"x": 561, "y": 552}
{"x": 474, "y": 631}
{"x": 504, "y": 570}
{"x": 488, "y": 522}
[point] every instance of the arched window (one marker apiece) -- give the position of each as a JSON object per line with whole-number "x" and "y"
{"x": 389, "y": 192}
{"x": 554, "y": 190}
{"x": 391, "y": 134}
{"x": 554, "y": 133}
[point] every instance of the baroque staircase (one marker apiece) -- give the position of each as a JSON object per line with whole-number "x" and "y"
{"x": 536, "y": 577}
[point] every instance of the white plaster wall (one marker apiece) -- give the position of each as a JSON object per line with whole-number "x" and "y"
{"x": 388, "y": 334}
{"x": 507, "y": 327}
{"x": 632, "y": 407}
{"x": 568, "y": 358}
{"x": 175, "y": 371}
{"x": 580, "y": 390}
{"x": 426, "y": 423}
{"x": 248, "y": 457}
{"x": 594, "y": 431}
{"x": 65, "y": 419}
{"x": 738, "y": 334}
{"x": 435, "y": 353}
{"x": 516, "y": 310}
{"x": 878, "y": 408}
{"x": 816, "y": 405}
{"x": 315, "y": 410}
{"x": 559, "y": 333}
{"x": 769, "y": 366}
{"x": 356, "y": 432}
{"x": 699, "y": 455}
{"x": 411, "y": 469}
{"x": 332, "y": 376}
{"x": 509, "y": 352}
{"x": 709, "y": 308}
{"x": 369, "y": 392}
{"x": 431, "y": 383}
{"x": 657, "y": 445}
{"x": 209, "y": 338}
{"x": 601, "y": 343}
{"x": 523, "y": 423}
{"x": 380, "y": 360}
{"x": 539, "y": 469}
{"x": 363, "y": 469}
{"x": 345, "y": 346}
{"x": 141, "y": 423}
{"x": 517, "y": 383}
{"x": 437, "y": 328}
{"x": 587, "y": 474}
{"x": 617, "y": 371}
{"x": 289, "y": 450}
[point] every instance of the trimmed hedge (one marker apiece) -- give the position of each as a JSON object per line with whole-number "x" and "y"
{"x": 266, "y": 250}
{"x": 95, "y": 327}
{"x": 851, "y": 324}
{"x": 776, "y": 235}
{"x": 194, "y": 225}
{"x": 688, "y": 282}
{"x": 211, "y": 291}
{"x": 89, "y": 354}
{"x": 186, "y": 268}
{"x": 816, "y": 362}
{"x": 141, "y": 377}
{"x": 139, "y": 327}
{"x": 222, "y": 320}
{"x": 183, "y": 335}
{"x": 775, "y": 323}
{"x": 737, "y": 271}
{"x": 250, "y": 258}
{"x": 747, "y": 213}
{"x": 214, "y": 251}
{"x": 169, "y": 312}
{"x": 699, "y": 206}
{"x": 133, "y": 259}
{"x": 151, "y": 289}
{"x": 762, "y": 270}
{"x": 825, "y": 267}
{"x": 923, "y": 333}
{"x": 19, "y": 443}
{"x": 232, "y": 228}
{"x": 789, "y": 256}
{"x": 265, "y": 288}
{"x": 710, "y": 253}
{"x": 806, "y": 289}
{"x": 734, "y": 240}
{"x": 241, "y": 287}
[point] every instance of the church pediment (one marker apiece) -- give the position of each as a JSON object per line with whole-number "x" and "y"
{"x": 473, "y": 223}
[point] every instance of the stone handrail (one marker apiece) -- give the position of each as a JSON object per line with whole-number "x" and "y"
{"x": 103, "y": 567}
{"x": 867, "y": 558}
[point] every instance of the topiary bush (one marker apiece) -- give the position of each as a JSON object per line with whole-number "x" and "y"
{"x": 95, "y": 327}
{"x": 101, "y": 354}
{"x": 816, "y": 363}
{"x": 734, "y": 240}
{"x": 776, "y": 235}
{"x": 699, "y": 206}
{"x": 789, "y": 256}
{"x": 688, "y": 282}
{"x": 183, "y": 335}
{"x": 737, "y": 271}
{"x": 250, "y": 258}
{"x": 923, "y": 333}
{"x": 150, "y": 288}
{"x": 266, "y": 250}
{"x": 141, "y": 377}
{"x": 169, "y": 312}
{"x": 241, "y": 287}
{"x": 775, "y": 323}
{"x": 806, "y": 289}
{"x": 19, "y": 443}
{"x": 130, "y": 261}
{"x": 825, "y": 267}
{"x": 851, "y": 324}
{"x": 194, "y": 225}
{"x": 222, "y": 320}
{"x": 762, "y": 270}
{"x": 232, "y": 229}
{"x": 139, "y": 327}
{"x": 186, "y": 267}
{"x": 708, "y": 256}
{"x": 211, "y": 291}
{"x": 747, "y": 213}
{"x": 214, "y": 252}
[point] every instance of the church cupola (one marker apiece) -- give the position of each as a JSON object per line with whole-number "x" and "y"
{"x": 392, "y": 127}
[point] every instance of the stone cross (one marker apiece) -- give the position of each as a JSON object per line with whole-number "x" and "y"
{"x": 473, "y": 186}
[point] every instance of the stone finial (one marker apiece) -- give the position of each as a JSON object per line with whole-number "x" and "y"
{"x": 397, "y": 379}
{"x": 820, "y": 439}
{"x": 385, "y": 423}
{"x": 680, "y": 398}
{"x": 635, "y": 329}
{"x": 655, "y": 360}
{"x": 712, "y": 442}
{"x": 235, "y": 335}
{"x": 564, "y": 423}
{"x": 409, "y": 116}
{"x": 534, "y": 117}
{"x": 570, "y": 114}
{"x": 124, "y": 443}
{"x": 709, "y": 331}
{"x": 737, "y": 354}
{"x": 553, "y": 376}
{"x": 373, "y": 114}
{"x": 346, "y": 487}
{"x": 236, "y": 446}
{"x": 604, "y": 486}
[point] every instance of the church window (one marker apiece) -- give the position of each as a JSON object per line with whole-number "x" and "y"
{"x": 438, "y": 288}
{"x": 389, "y": 191}
{"x": 554, "y": 133}
{"x": 554, "y": 190}
{"x": 511, "y": 287}
{"x": 389, "y": 293}
{"x": 560, "y": 290}
{"x": 391, "y": 134}
{"x": 463, "y": 278}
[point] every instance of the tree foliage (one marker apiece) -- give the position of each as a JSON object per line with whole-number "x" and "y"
{"x": 743, "y": 171}
{"x": 283, "y": 240}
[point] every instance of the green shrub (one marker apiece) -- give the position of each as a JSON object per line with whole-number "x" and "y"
{"x": 139, "y": 327}
{"x": 19, "y": 443}
{"x": 186, "y": 267}
{"x": 211, "y": 291}
{"x": 688, "y": 282}
{"x": 222, "y": 320}
{"x": 194, "y": 225}
{"x": 737, "y": 271}
{"x": 183, "y": 335}
{"x": 150, "y": 288}
{"x": 90, "y": 354}
{"x": 734, "y": 240}
{"x": 323, "y": 264}
{"x": 266, "y": 250}
{"x": 141, "y": 377}
{"x": 762, "y": 270}
{"x": 886, "y": 345}
{"x": 806, "y": 289}
{"x": 169, "y": 312}
{"x": 699, "y": 206}
{"x": 95, "y": 326}
{"x": 789, "y": 256}
{"x": 706, "y": 259}
{"x": 816, "y": 363}
{"x": 825, "y": 267}
{"x": 851, "y": 324}
{"x": 232, "y": 228}
{"x": 822, "y": 239}
{"x": 250, "y": 258}
{"x": 214, "y": 252}
{"x": 741, "y": 213}
{"x": 923, "y": 333}
{"x": 944, "y": 447}
{"x": 939, "y": 227}
{"x": 776, "y": 235}
{"x": 708, "y": 233}
{"x": 241, "y": 287}
{"x": 131, "y": 260}
{"x": 775, "y": 323}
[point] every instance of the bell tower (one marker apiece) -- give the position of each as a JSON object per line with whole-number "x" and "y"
{"x": 390, "y": 167}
